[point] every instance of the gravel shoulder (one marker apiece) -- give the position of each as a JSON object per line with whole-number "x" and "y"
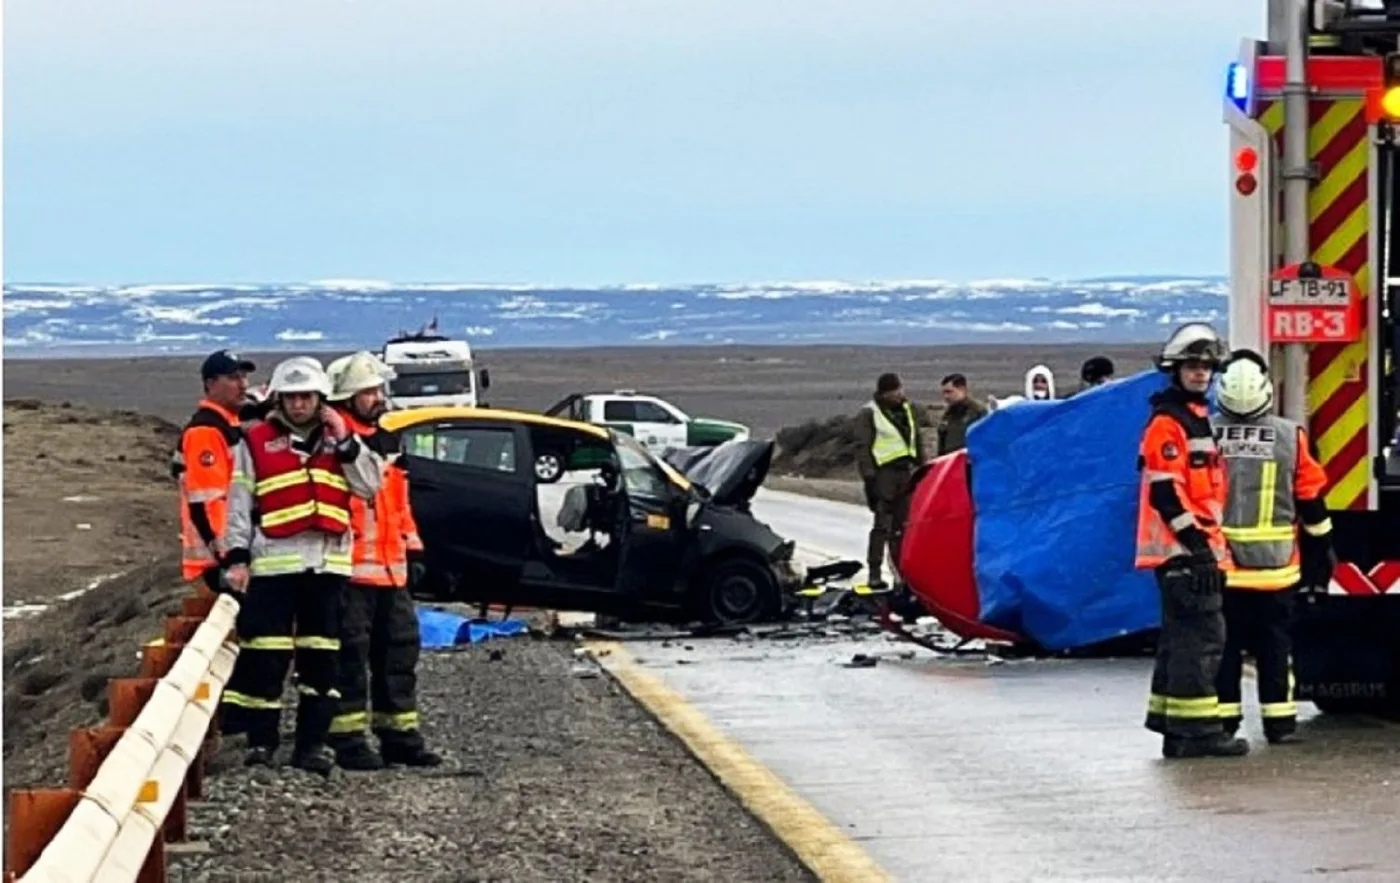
{"x": 552, "y": 773}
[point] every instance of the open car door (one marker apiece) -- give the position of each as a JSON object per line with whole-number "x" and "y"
{"x": 570, "y": 408}
{"x": 654, "y": 533}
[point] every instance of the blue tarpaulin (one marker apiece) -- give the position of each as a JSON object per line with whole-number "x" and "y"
{"x": 1055, "y": 492}
{"x": 438, "y": 629}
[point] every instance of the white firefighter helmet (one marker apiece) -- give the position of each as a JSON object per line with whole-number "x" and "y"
{"x": 298, "y": 374}
{"x": 1194, "y": 340}
{"x": 356, "y": 373}
{"x": 1245, "y": 389}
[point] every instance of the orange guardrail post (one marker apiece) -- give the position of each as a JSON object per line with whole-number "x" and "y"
{"x": 198, "y": 606}
{"x": 87, "y": 749}
{"x": 158, "y": 659}
{"x": 179, "y": 629}
{"x": 126, "y": 697}
{"x": 35, "y": 817}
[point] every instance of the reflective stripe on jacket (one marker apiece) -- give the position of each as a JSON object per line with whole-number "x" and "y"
{"x": 383, "y": 528}
{"x": 1270, "y": 469}
{"x": 203, "y": 467}
{"x": 312, "y": 550}
{"x": 296, "y": 492}
{"x": 889, "y": 444}
{"x": 1179, "y": 457}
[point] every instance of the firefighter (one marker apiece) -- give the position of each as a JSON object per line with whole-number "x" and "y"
{"x": 1179, "y": 537}
{"x": 1275, "y": 480}
{"x": 203, "y": 466}
{"x": 379, "y": 629}
{"x": 289, "y": 541}
{"x": 255, "y": 406}
{"x": 889, "y": 448}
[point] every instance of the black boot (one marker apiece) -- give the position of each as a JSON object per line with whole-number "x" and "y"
{"x": 1218, "y": 745}
{"x": 356, "y": 754}
{"x": 409, "y": 753}
{"x": 314, "y": 758}
{"x": 258, "y": 755}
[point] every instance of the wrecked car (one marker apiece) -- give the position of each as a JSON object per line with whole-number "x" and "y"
{"x": 629, "y": 535}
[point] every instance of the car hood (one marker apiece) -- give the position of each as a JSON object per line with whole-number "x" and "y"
{"x": 731, "y": 472}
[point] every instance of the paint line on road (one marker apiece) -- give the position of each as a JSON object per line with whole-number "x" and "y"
{"x": 817, "y": 842}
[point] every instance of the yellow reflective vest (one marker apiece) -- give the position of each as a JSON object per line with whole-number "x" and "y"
{"x": 889, "y": 445}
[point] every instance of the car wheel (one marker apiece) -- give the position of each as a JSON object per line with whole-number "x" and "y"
{"x": 738, "y": 592}
{"x": 549, "y": 468}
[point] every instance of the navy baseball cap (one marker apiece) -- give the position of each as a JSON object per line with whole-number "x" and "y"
{"x": 223, "y": 363}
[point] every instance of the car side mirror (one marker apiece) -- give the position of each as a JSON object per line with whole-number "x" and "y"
{"x": 485, "y": 375}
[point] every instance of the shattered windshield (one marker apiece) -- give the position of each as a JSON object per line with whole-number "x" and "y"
{"x": 641, "y": 472}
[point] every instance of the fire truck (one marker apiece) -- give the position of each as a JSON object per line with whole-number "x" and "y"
{"x": 1313, "y": 114}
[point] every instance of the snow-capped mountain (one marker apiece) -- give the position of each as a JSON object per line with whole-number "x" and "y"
{"x": 52, "y": 319}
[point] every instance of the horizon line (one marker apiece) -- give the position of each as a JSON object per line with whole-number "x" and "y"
{"x": 466, "y": 285}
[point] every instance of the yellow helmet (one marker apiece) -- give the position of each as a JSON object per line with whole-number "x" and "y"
{"x": 355, "y": 373}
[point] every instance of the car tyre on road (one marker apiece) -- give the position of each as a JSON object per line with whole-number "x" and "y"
{"x": 737, "y": 592}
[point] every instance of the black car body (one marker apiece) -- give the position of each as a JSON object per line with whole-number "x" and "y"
{"x": 661, "y": 544}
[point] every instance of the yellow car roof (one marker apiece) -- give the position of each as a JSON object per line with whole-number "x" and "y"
{"x": 393, "y": 421}
{"x": 396, "y": 420}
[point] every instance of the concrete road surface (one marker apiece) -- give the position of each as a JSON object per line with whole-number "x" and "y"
{"x": 953, "y": 768}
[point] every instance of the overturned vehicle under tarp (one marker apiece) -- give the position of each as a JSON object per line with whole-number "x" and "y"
{"x": 625, "y": 533}
{"x": 1028, "y": 535}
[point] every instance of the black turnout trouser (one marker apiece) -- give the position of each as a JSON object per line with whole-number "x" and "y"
{"x": 379, "y": 633}
{"x": 1183, "y": 701}
{"x": 1258, "y": 623}
{"x": 281, "y": 617}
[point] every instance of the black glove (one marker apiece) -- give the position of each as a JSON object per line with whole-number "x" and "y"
{"x": 417, "y": 568}
{"x": 872, "y": 500}
{"x": 1198, "y": 549}
{"x": 1319, "y": 561}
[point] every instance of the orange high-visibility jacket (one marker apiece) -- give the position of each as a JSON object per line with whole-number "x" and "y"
{"x": 204, "y": 468}
{"x": 1183, "y": 485}
{"x": 383, "y": 528}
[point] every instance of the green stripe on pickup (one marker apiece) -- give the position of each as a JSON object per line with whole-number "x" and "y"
{"x": 706, "y": 431}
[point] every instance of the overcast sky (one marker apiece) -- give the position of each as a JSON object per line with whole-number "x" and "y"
{"x": 612, "y": 141}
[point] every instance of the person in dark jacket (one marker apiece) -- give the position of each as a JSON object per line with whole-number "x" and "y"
{"x": 889, "y": 447}
{"x": 1095, "y": 372}
{"x": 960, "y": 411}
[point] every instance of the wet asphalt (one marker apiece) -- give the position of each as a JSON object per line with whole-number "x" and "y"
{"x": 954, "y": 768}
{"x": 960, "y": 768}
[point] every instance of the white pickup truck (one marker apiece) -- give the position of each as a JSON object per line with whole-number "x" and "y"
{"x": 655, "y": 422}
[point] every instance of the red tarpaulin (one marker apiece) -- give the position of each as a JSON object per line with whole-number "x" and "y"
{"x": 936, "y": 555}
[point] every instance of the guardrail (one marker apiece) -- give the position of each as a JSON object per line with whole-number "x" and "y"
{"x": 130, "y": 780}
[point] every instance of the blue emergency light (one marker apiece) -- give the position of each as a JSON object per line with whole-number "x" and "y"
{"x": 1237, "y": 85}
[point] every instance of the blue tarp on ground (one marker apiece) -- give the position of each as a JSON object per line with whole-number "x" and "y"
{"x": 438, "y": 629}
{"x": 1055, "y": 492}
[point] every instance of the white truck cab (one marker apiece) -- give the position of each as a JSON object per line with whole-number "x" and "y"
{"x": 433, "y": 370}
